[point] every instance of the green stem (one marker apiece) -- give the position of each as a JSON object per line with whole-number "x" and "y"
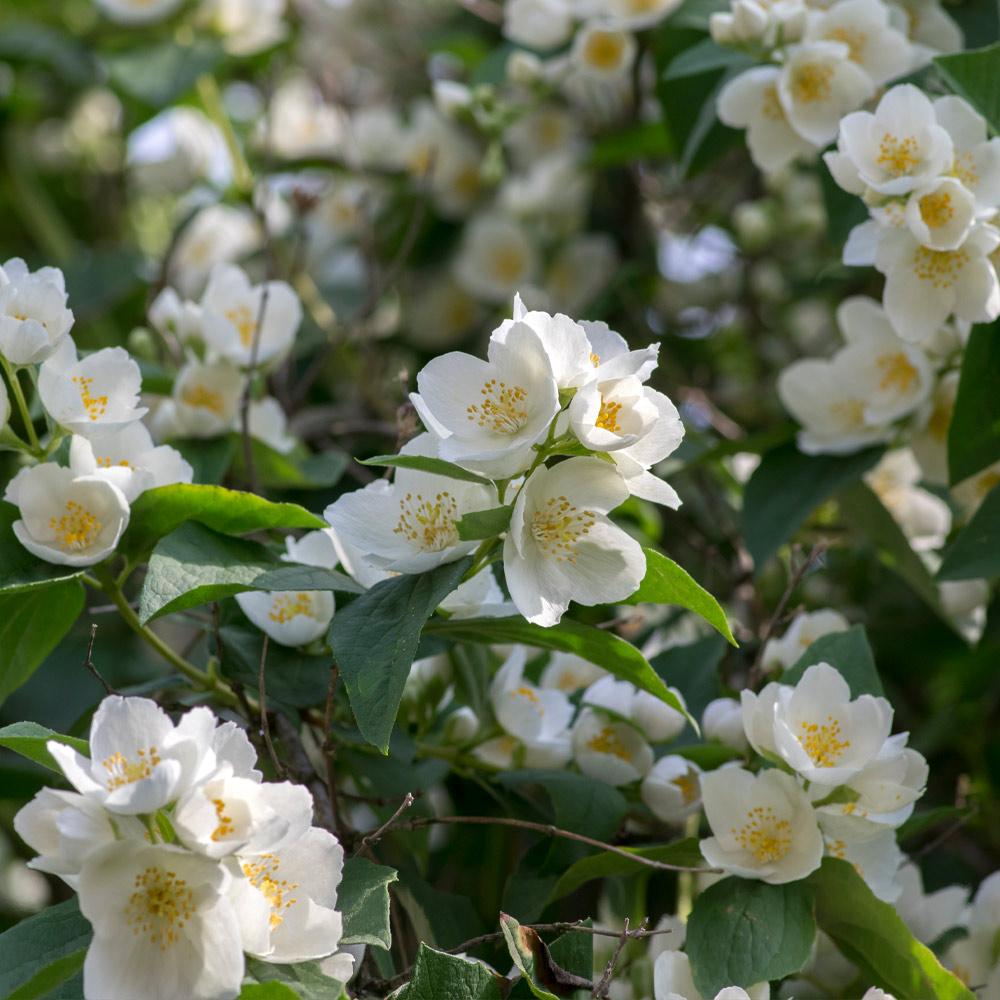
{"x": 481, "y": 557}
{"x": 211, "y": 98}
{"x": 22, "y": 405}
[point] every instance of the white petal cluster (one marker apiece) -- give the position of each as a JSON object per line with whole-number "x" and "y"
{"x": 183, "y": 859}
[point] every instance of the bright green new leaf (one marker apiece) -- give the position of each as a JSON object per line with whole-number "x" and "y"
{"x": 42, "y": 951}
{"x": 29, "y": 739}
{"x": 975, "y": 553}
{"x": 363, "y": 899}
{"x": 850, "y": 653}
{"x": 484, "y": 523}
{"x": 19, "y": 569}
{"x": 272, "y": 990}
{"x": 424, "y": 463}
{"x": 974, "y": 431}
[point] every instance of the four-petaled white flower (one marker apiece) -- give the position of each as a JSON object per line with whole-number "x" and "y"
{"x": 805, "y": 629}
{"x": 34, "y": 319}
{"x": 290, "y": 618}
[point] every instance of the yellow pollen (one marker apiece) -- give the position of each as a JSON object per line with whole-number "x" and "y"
{"x": 607, "y": 419}
{"x": 822, "y": 741}
{"x": 897, "y": 156}
{"x": 507, "y": 263}
{"x": 811, "y": 82}
{"x": 20, "y": 316}
{"x": 76, "y": 529}
{"x": 641, "y": 6}
{"x": 595, "y": 359}
{"x": 159, "y": 906}
{"x": 122, "y": 771}
{"x": 856, "y": 41}
{"x": 936, "y": 209}
{"x": 837, "y": 848}
{"x": 688, "y": 786}
{"x": 203, "y": 397}
{"x": 225, "y": 827}
{"x": 106, "y": 461}
{"x": 765, "y": 836}
{"x": 608, "y": 741}
{"x": 603, "y": 50}
{"x": 285, "y": 607}
{"x": 567, "y": 681}
{"x": 245, "y": 323}
{"x": 940, "y": 420}
{"x": 559, "y": 526}
{"x": 771, "y": 104}
{"x": 501, "y": 409}
{"x": 897, "y": 372}
{"x": 468, "y": 182}
{"x": 429, "y": 524}
{"x": 262, "y": 875}
{"x": 964, "y": 169}
{"x": 940, "y": 268}
{"x": 94, "y": 405}
{"x": 850, "y": 411}
{"x": 525, "y": 692}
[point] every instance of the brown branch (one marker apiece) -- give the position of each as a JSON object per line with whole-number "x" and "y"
{"x": 89, "y": 661}
{"x": 373, "y": 838}
{"x": 601, "y": 987}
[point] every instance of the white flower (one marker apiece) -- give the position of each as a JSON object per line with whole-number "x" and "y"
{"x": 532, "y": 714}
{"x": 888, "y": 787}
{"x": 762, "y": 21}
{"x": 128, "y": 458}
{"x": 218, "y": 233}
{"x": 816, "y": 728}
{"x": 479, "y": 597}
{"x": 976, "y": 162}
{"x": 602, "y": 51}
{"x": 639, "y": 13}
{"x": 940, "y": 214}
{"x": 66, "y": 519}
{"x": 751, "y": 101}
{"x": 4, "y": 405}
{"x": 267, "y": 422}
{"x": 671, "y": 788}
{"x": 227, "y": 814}
{"x": 930, "y": 441}
{"x": 169, "y": 314}
{"x": 137, "y": 11}
{"x": 163, "y": 925}
{"x": 205, "y": 401}
{"x": 763, "y": 825}
{"x": 99, "y": 393}
{"x": 610, "y": 751}
{"x": 672, "y": 980}
{"x": 539, "y": 24}
{"x": 286, "y": 898}
{"x": 805, "y": 629}
{"x": 722, "y": 720}
{"x": 923, "y": 287}
{"x": 232, "y": 308}
{"x": 301, "y": 124}
{"x": 570, "y": 278}
{"x": 410, "y": 524}
{"x": 506, "y": 752}
{"x": 658, "y": 721}
{"x": 928, "y": 914}
{"x": 488, "y": 414}
{"x": 290, "y": 618}
{"x": 924, "y": 517}
{"x": 174, "y": 150}
{"x": 34, "y": 319}
{"x": 562, "y": 547}
{"x": 496, "y": 258}
{"x": 870, "y": 849}
{"x": 818, "y": 85}
{"x": 568, "y": 672}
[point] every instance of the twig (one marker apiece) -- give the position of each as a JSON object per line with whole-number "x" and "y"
{"x": 89, "y": 661}
{"x": 377, "y": 835}
{"x": 265, "y": 727}
{"x": 328, "y": 748}
{"x": 949, "y": 831}
{"x": 601, "y": 988}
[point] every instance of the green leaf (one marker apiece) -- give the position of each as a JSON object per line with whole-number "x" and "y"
{"x": 535, "y": 962}
{"x": 695, "y": 14}
{"x": 39, "y": 953}
{"x": 667, "y": 583}
{"x": 975, "y": 553}
{"x": 437, "y": 975}
{"x": 297, "y": 470}
{"x": 363, "y": 899}
{"x": 424, "y": 463}
{"x": 303, "y": 981}
{"x": 29, "y": 739}
{"x": 974, "y": 431}
{"x": 850, "y": 653}
{"x": 706, "y": 55}
{"x": 484, "y": 523}
{"x": 605, "y": 649}
{"x": 375, "y": 638}
{"x": 742, "y": 932}
{"x": 194, "y": 565}
{"x": 159, "y": 74}
{"x": 844, "y": 210}
{"x": 645, "y": 141}
{"x": 272, "y": 990}
{"x": 19, "y": 569}
{"x": 210, "y": 458}
{"x": 609, "y": 864}
{"x": 32, "y": 624}
{"x": 872, "y": 935}
{"x": 787, "y": 487}
{"x": 693, "y": 670}
{"x": 36, "y": 45}
{"x": 974, "y": 75}
{"x": 159, "y": 511}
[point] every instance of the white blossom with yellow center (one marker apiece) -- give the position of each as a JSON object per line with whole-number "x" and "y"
{"x": 672, "y": 788}
{"x": 496, "y": 258}
{"x": 976, "y": 160}
{"x": 525, "y": 711}
{"x": 34, "y": 319}
{"x": 290, "y": 618}
{"x": 941, "y": 214}
{"x": 763, "y": 825}
{"x": 610, "y": 750}
{"x": 603, "y": 51}
{"x": 806, "y": 627}
{"x": 205, "y": 401}
{"x": 655, "y": 719}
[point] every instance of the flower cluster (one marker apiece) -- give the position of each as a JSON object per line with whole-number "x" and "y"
{"x": 184, "y": 860}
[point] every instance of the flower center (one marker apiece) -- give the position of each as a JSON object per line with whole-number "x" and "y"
{"x": 245, "y": 323}
{"x": 604, "y": 49}
{"x": 811, "y": 82}
{"x": 771, "y": 104}
{"x": 160, "y": 906}
{"x": 429, "y": 524}
{"x": 688, "y": 786}
{"x": 225, "y": 822}
{"x": 851, "y": 413}
{"x": 607, "y": 419}
{"x": 263, "y": 877}
{"x": 940, "y": 268}
{"x": 501, "y": 408}
{"x": 964, "y": 169}
{"x": 936, "y": 209}
{"x": 608, "y": 741}
{"x": 897, "y": 372}
{"x": 558, "y": 527}
{"x": 897, "y": 156}
{"x": 525, "y": 692}
{"x": 94, "y": 405}
{"x": 285, "y": 607}
{"x": 77, "y": 528}
{"x": 822, "y": 741}
{"x": 201, "y": 396}
{"x": 507, "y": 264}
{"x": 765, "y": 836}
{"x": 106, "y": 461}
{"x": 855, "y": 40}
{"x": 122, "y": 771}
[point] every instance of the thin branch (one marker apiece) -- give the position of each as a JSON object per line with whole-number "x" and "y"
{"x": 265, "y": 726}
{"x": 377, "y": 835}
{"x": 328, "y": 747}
{"x": 89, "y": 661}
{"x": 251, "y": 472}
{"x": 601, "y": 988}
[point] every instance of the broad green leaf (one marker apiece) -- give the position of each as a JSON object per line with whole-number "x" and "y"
{"x": 534, "y": 961}
{"x": 706, "y": 55}
{"x": 484, "y": 523}
{"x": 424, "y": 463}
{"x": 844, "y": 210}
{"x": 210, "y": 458}
{"x": 974, "y": 431}
{"x": 864, "y": 511}
{"x": 297, "y": 470}
{"x": 695, "y": 14}
{"x": 603, "y": 648}
{"x": 29, "y": 739}
{"x": 159, "y": 511}
{"x": 55, "y": 937}
{"x": 194, "y": 565}
{"x": 19, "y": 569}
{"x": 437, "y": 975}
{"x": 375, "y": 638}
{"x": 667, "y": 583}
{"x": 363, "y": 899}
{"x": 975, "y": 553}
{"x": 158, "y": 74}
{"x": 272, "y": 990}
{"x": 37, "y": 44}
{"x": 872, "y": 935}
{"x": 303, "y": 981}
{"x": 742, "y": 932}
{"x": 645, "y": 141}
{"x": 441, "y": 919}
{"x": 693, "y": 670}
{"x": 850, "y": 653}
{"x": 32, "y": 624}
{"x": 787, "y": 487}
{"x": 973, "y": 75}
{"x": 607, "y": 864}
